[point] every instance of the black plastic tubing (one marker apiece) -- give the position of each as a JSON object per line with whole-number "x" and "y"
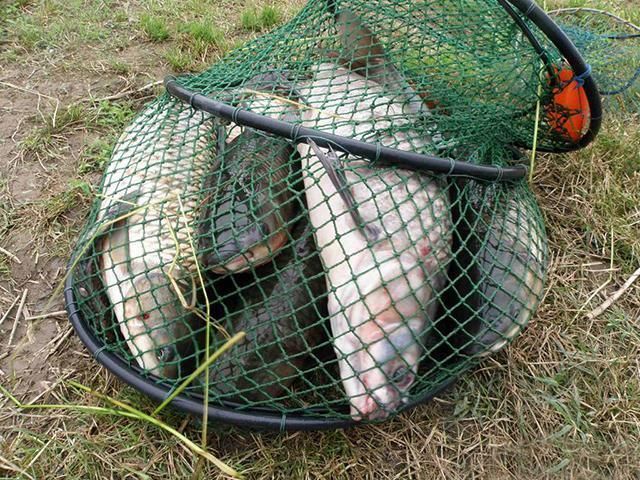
{"x": 159, "y": 392}
{"x": 568, "y": 50}
{"x": 229, "y": 413}
{"x": 374, "y": 152}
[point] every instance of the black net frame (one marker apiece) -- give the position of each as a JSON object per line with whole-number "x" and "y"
{"x": 264, "y": 418}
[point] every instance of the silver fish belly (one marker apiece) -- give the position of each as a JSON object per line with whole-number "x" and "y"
{"x": 382, "y": 298}
{"x": 512, "y": 263}
{"x": 150, "y": 195}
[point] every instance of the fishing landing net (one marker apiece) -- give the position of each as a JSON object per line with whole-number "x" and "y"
{"x": 611, "y": 45}
{"x": 347, "y": 191}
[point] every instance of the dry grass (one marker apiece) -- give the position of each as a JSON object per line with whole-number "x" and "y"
{"x": 562, "y": 402}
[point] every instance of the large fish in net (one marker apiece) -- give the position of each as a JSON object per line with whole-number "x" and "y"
{"x": 343, "y": 190}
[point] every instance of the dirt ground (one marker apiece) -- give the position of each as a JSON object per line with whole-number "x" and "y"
{"x": 562, "y": 402}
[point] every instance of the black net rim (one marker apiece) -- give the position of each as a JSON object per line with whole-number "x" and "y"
{"x": 531, "y": 10}
{"x": 373, "y": 152}
{"x": 409, "y": 160}
{"x": 260, "y": 419}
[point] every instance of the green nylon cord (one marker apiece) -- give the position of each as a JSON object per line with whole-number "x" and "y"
{"x": 536, "y": 128}
{"x": 221, "y": 236}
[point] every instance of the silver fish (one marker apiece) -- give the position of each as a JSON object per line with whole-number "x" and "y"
{"x": 149, "y": 201}
{"x": 511, "y": 264}
{"x": 383, "y": 288}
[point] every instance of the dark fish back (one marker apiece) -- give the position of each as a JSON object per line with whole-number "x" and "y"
{"x": 488, "y": 278}
{"x": 247, "y": 197}
{"x": 280, "y": 312}
{"x": 454, "y": 331}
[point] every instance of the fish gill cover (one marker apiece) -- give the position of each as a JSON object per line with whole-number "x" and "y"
{"x": 362, "y": 287}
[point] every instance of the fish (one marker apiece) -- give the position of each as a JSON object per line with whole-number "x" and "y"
{"x": 362, "y": 52}
{"x": 90, "y": 296}
{"x": 246, "y": 221}
{"x": 148, "y": 309}
{"x": 249, "y": 207}
{"x": 144, "y": 230}
{"x": 507, "y": 262}
{"x": 281, "y": 312}
{"x": 383, "y": 281}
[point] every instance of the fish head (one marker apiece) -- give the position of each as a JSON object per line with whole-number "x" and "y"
{"x": 255, "y": 206}
{"x": 158, "y": 325}
{"x": 382, "y": 348}
{"x": 387, "y": 369}
{"x": 239, "y": 249}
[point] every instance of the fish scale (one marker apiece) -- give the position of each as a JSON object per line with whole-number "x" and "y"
{"x": 250, "y": 204}
{"x": 383, "y": 287}
{"x": 277, "y": 309}
{"x": 163, "y": 177}
{"x": 161, "y": 168}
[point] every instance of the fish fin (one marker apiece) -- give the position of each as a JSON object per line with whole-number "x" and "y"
{"x": 359, "y": 44}
{"x": 121, "y": 208}
{"x": 276, "y": 80}
{"x": 330, "y": 162}
{"x": 91, "y": 290}
{"x": 211, "y": 177}
{"x": 221, "y": 141}
{"x": 364, "y": 52}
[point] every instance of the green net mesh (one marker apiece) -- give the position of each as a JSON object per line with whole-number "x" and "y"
{"x": 361, "y": 287}
{"x": 611, "y": 45}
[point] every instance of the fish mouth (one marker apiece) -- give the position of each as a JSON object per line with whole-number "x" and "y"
{"x": 367, "y": 407}
{"x": 150, "y": 364}
{"x": 254, "y": 256}
{"x": 165, "y": 361}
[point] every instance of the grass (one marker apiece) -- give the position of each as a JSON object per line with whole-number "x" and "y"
{"x": 255, "y": 19}
{"x": 51, "y": 130}
{"x": 205, "y": 32}
{"x": 562, "y": 402}
{"x": 55, "y": 217}
{"x": 155, "y": 28}
{"x": 6, "y": 209}
{"x": 95, "y": 155}
{"x": 58, "y": 26}
{"x": 178, "y": 59}
{"x": 197, "y": 42}
{"x": 54, "y": 208}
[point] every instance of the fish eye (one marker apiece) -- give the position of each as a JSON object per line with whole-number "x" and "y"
{"x": 165, "y": 354}
{"x": 402, "y": 377}
{"x": 265, "y": 228}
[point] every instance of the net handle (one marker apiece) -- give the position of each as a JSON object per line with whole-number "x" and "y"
{"x": 581, "y": 69}
{"x": 374, "y": 152}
